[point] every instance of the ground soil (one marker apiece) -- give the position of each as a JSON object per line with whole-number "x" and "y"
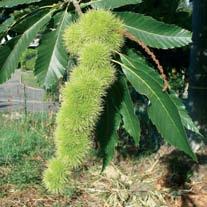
{"x": 166, "y": 178}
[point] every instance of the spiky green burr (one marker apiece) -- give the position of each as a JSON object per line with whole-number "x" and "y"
{"x": 93, "y": 38}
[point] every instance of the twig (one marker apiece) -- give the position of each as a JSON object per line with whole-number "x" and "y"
{"x": 152, "y": 55}
{"x": 77, "y": 7}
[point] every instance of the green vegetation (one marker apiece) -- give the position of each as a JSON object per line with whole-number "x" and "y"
{"x": 27, "y": 61}
{"x": 82, "y": 96}
{"x": 25, "y": 144}
{"x": 102, "y": 38}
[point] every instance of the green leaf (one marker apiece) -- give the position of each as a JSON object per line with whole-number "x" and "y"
{"x": 111, "y": 4}
{"x": 10, "y": 63}
{"x": 185, "y": 118}
{"x": 12, "y": 3}
{"x": 107, "y": 129}
{"x": 6, "y": 24}
{"x": 52, "y": 60}
{"x": 6, "y": 49}
{"x": 162, "y": 110}
{"x": 30, "y": 19}
{"x": 155, "y": 33}
{"x": 130, "y": 120}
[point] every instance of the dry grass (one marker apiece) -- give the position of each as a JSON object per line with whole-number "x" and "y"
{"x": 128, "y": 183}
{"x": 163, "y": 179}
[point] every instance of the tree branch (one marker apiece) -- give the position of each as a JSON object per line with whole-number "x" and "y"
{"x": 77, "y": 7}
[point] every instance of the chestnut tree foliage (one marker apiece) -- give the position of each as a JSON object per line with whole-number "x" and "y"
{"x": 140, "y": 70}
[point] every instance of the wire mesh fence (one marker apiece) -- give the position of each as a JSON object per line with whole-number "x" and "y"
{"x": 15, "y": 96}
